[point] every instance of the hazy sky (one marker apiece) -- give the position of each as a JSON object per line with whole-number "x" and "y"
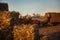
{"x": 33, "y": 6}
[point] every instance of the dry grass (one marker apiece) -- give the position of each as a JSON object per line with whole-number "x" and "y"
{"x": 23, "y": 32}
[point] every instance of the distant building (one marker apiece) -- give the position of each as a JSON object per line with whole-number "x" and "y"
{"x": 4, "y": 7}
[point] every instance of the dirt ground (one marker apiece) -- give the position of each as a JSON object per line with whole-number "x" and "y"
{"x": 53, "y": 32}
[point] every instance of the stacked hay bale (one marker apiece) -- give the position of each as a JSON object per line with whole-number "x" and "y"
{"x": 51, "y": 18}
{"x": 54, "y": 17}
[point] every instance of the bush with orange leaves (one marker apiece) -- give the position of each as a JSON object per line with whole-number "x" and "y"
{"x": 4, "y": 19}
{"x": 5, "y": 33}
{"x": 23, "y": 32}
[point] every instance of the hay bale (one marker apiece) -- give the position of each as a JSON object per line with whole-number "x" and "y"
{"x": 4, "y": 7}
{"x": 54, "y": 17}
{"x": 51, "y": 18}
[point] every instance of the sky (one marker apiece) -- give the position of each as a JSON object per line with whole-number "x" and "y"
{"x": 33, "y": 6}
